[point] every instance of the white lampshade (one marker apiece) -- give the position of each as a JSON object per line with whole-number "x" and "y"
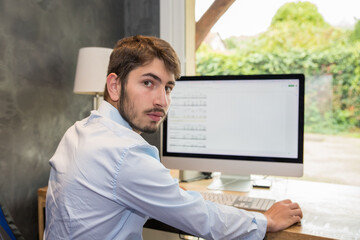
{"x": 91, "y": 70}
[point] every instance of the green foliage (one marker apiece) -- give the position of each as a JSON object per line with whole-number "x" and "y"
{"x": 298, "y": 13}
{"x": 355, "y": 36}
{"x": 299, "y": 41}
{"x": 231, "y": 42}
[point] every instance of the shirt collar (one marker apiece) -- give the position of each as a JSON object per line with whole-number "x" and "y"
{"x": 109, "y": 111}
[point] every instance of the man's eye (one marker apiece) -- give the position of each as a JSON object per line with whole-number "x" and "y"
{"x": 148, "y": 83}
{"x": 168, "y": 89}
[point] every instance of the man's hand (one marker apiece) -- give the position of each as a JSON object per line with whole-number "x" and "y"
{"x": 282, "y": 215}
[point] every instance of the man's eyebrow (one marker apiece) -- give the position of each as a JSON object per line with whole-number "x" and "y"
{"x": 171, "y": 82}
{"x": 152, "y": 76}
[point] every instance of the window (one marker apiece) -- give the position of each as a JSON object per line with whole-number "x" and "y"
{"x": 318, "y": 38}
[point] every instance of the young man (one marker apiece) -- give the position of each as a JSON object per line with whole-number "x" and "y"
{"x": 106, "y": 180}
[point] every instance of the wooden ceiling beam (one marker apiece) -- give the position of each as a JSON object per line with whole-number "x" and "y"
{"x": 209, "y": 18}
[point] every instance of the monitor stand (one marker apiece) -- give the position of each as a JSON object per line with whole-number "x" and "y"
{"x": 231, "y": 183}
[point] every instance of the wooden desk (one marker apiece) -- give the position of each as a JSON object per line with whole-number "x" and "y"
{"x": 41, "y": 210}
{"x": 330, "y": 211}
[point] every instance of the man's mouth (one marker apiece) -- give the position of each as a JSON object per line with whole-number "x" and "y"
{"x": 156, "y": 115}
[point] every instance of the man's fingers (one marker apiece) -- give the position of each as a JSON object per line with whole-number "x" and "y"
{"x": 297, "y": 212}
{"x": 294, "y": 206}
{"x": 296, "y": 219}
{"x": 287, "y": 201}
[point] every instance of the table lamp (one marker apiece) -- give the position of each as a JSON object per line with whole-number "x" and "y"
{"x": 91, "y": 72}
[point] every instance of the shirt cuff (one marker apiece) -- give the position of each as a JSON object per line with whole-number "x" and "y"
{"x": 259, "y": 224}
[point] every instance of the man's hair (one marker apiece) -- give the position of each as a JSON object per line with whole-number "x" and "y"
{"x": 132, "y": 52}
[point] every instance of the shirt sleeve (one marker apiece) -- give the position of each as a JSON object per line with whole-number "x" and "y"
{"x": 146, "y": 186}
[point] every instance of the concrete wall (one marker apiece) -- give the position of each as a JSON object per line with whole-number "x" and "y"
{"x": 143, "y": 17}
{"x": 39, "y": 43}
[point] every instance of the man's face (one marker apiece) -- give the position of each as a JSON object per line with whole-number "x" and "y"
{"x": 146, "y": 98}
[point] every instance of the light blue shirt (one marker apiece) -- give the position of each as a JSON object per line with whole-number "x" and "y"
{"x": 106, "y": 181}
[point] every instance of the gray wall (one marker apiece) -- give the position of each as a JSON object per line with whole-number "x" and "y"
{"x": 143, "y": 17}
{"x": 39, "y": 43}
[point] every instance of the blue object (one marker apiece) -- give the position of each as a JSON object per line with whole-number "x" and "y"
{"x": 5, "y": 231}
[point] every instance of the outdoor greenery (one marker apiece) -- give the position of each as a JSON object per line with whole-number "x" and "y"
{"x": 300, "y": 41}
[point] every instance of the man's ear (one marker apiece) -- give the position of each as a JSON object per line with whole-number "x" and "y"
{"x": 113, "y": 86}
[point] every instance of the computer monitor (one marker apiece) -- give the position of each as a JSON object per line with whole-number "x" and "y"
{"x": 237, "y": 125}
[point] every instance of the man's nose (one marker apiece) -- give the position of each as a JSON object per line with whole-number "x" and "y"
{"x": 161, "y": 98}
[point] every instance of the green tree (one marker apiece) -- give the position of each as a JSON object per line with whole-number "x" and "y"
{"x": 297, "y": 14}
{"x": 298, "y": 25}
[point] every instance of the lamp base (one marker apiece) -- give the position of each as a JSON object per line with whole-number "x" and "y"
{"x": 97, "y": 101}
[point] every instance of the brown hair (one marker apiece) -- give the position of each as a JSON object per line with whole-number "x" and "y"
{"x": 132, "y": 52}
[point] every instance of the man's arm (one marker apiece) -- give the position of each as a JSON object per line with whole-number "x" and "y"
{"x": 282, "y": 215}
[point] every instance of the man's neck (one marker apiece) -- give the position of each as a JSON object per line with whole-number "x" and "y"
{"x": 114, "y": 104}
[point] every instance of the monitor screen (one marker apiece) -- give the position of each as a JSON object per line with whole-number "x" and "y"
{"x": 245, "y": 124}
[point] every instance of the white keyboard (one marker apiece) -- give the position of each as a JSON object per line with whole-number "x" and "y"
{"x": 243, "y": 202}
